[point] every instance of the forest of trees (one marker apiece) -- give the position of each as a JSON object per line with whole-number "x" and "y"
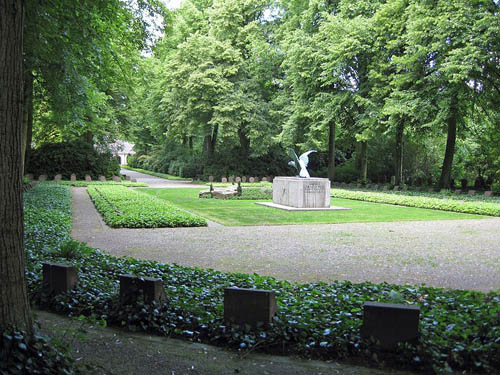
{"x": 403, "y": 88}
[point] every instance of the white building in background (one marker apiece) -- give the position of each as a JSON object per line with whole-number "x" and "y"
{"x": 122, "y": 150}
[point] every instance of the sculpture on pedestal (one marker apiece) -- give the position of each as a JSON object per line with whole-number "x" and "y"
{"x": 300, "y": 162}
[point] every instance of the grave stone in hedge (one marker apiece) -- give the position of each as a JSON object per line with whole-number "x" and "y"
{"x": 210, "y": 178}
{"x": 264, "y": 179}
{"x": 132, "y": 288}
{"x": 418, "y": 188}
{"x": 249, "y": 306}
{"x": 237, "y": 179}
{"x": 458, "y": 191}
{"x": 58, "y": 177}
{"x": 256, "y": 179}
{"x": 102, "y": 178}
{"x": 430, "y": 190}
{"x": 88, "y": 178}
{"x": 405, "y": 187}
{"x": 73, "y": 177}
{"x": 385, "y": 188}
{"x": 390, "y": 323}
{"x": 58, "y": 278}
{"x": 231, "y": 179}
{"x": 488, "y": 193}
{"x": 472, "y": 192}
{"x": 224, "y": 180}
{"x": 243, "y": 178}
{"x": 396, "y": 188}
{"x": 117, "y": 179}
{"x": 375, "y": 187}
{"x": 42, "y": 177}
{"x": 251, "y": 180}
{"x": 30, "y": 176}
{"x": 127, "y": 178}
{"x": 134, "y": 180}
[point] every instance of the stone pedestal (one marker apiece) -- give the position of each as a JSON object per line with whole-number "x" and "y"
{"x": 301, "y": 192}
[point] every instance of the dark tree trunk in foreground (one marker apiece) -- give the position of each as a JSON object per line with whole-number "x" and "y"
{"x": 331, "y": 151}
{"x": 398, "y": 160}
{"x": 444, "y": 181}
{"x": 14, "y": 307}
{"x": 27, "y": 118}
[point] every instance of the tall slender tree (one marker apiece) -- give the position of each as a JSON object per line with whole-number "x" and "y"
{"x": 14, "y": 307}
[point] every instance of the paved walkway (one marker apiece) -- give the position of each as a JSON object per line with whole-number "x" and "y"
{"x": 157, "y": 182}
{"x": 458, "y": 254}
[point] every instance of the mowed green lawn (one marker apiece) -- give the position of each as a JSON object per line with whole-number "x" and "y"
{"x": 237, "y": 212}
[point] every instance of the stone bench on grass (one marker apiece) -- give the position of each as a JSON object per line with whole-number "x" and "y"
{"x": 249, "y": 306}
{"x": 134, "y": 287}
{"x": 390, "y": 323}
{"x": 58, "y": 278}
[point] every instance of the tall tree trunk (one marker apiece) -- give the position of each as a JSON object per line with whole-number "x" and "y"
{"x": 444, "y": 181}
{"x": 14, "y": 307}
{"x": 331, "y": 151}
{"x": 27, "y": 116}
{"x": 213, "y": 140}
{"x": 399, "y": 152}
{"x": 363, "y": 161}
{"x": 244, "y": 142}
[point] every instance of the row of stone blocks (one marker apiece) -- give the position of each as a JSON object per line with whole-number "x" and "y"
{"x": 241, "y": 179}
{"x": 389, "y": 324}
{"x": 58, "y": 177}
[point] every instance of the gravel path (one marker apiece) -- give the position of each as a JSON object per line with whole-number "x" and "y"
{"x": 457, "y": 254}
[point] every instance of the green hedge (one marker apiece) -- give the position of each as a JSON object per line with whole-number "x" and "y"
{"x": 77, "y": 157}
{"x": 467, "y": 207}
{"x": 459, "y": 330}
{"x": 121, "y": 207}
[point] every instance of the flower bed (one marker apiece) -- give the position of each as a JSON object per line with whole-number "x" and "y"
{"x": 121, "y": 207}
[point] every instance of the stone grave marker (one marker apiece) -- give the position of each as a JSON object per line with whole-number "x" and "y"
{"x": 58, "y": 177}
{"x": 133, "y": 287}
{"x": 251, "y": 180}
{"x": 117, "y": 179}
{"x": 405, "y": 187}
{"x": 133, "y": 180}
{"x": 256, "y": 179}
{"x": 270, "y": 178}
{"x": 396, "y": 188}
{"x": 385, "y": 188}
{"x": 264, "y": 179}
{"x": 231, "y": 179}
{"x": 390, "y": 323}
{"x": 42, "y": 177}
{"x": 30, "y": 176}
{"x": 249, "y": 306}
{"x": 102, "y": 178}
{"x": 224, "y": 180}
{"x": 418, "y": 188}
{"x": 488, "y": 193}
{"x": 430, "y": 190}
{"x": 58, "y": 278}
{"x": 127, "y": 178}
{"x": 243, "y": 178}
{"x": 237, "y": 179}
{"x": 210, "y": 178}
{"x": 73, "y": 177}
{"x": 472, "y": 192}
{"x": 88, "y": 178}
{"x": 393, "y": 180}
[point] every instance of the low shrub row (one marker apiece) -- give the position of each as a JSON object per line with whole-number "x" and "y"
{"x": 467, "y": 207}
{"x": 156, "y": 174}
{"x": 253, "y": 194}
{"x": 459, "y": 330}
{"x": 121, "y": 207}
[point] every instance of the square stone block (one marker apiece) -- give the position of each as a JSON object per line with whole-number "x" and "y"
{"x": 390, "y": 323}
{"x": 88, "y": 178}
{"x": 472, "y": 192}
{"x": 117, "y": 179}
{"x": 58, "y": 278}
{"x": 488, "y": 193}
{"x": 127, "y": 178}
{"x": 58, "y": 177}
{"x": 301, "y": 192}
{"x": 210, "y": 178}
{"x": 133, "y": 287}
{"x": 249, "y": 306}
{"x": 102, "y": 178}
{"x": 42, "y": 177}
{"x": 73, "y": 177}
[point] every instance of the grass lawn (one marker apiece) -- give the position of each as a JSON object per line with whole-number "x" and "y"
{"x": 240, "y": 212}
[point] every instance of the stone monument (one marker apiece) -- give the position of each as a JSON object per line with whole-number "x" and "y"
{"x": 303, "y": 192}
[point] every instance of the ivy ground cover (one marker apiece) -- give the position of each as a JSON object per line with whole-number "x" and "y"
{"x": 459, "y": 330}
{"x": 246, "y": 212}
{"x": 489, "y": 208}
{"x": 121, "y": 207}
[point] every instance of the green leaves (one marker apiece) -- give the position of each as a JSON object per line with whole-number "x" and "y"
{"x": 125, "y": 208}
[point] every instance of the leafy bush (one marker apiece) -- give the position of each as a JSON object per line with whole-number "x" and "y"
{"x": 121, "y": 207}
{"x": 468, "y": 207}
{"x": 458, "y": 329}
{"x": 77, "y": 157}
{"x": 18, "y": 355}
